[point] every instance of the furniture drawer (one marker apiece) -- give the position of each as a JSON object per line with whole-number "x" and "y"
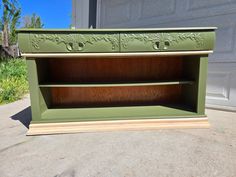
{"x": 47, "y": 42}
{"x": 166, "y": 41}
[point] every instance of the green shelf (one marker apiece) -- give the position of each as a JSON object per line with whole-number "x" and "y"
{"x": 118, "y": 113}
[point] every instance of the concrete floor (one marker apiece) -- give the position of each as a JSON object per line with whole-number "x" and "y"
{"x": 179, "y": 153}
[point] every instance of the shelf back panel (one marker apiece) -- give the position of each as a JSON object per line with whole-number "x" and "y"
{"x": 115, "y": 96}
{"x": 125, "y": 69}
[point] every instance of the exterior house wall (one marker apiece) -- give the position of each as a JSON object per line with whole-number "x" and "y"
{"x": 221, "y": 88}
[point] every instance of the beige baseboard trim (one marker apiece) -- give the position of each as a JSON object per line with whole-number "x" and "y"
{"x": 103, "y": 126}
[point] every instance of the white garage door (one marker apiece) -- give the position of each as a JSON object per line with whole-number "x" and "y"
{"x": 221, "y": 89}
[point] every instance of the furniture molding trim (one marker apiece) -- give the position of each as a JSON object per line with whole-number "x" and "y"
{"x": 45, "y": 55}
{"x": 118, "y": 125}
{"x": 119, "y": 29}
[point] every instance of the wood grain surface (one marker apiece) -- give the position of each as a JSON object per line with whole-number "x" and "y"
{"x": 125, "y": 69}
{"x": 120, "y": 125}
{"x": 115, "y": 96}
{"x": 115, "y": 70}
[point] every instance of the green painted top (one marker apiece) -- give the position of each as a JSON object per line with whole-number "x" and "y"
{"x": 118, "y": 29}
{"x": 116, "y": 40}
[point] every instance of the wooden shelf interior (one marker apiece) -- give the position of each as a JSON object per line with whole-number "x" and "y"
{"x": 119, "y": 69}
{"x": 119, "y": 81}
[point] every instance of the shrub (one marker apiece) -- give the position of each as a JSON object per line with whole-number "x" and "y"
{"x": 13, "y": 80}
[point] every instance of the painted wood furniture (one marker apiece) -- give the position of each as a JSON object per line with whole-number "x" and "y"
{"x": 116, "y": 79}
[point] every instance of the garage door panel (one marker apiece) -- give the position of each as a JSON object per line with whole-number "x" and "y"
{"x": 207, "y": 8}
{"x": 157, "y": 8}
{"x": 201, "y": 4}
{"x": 221, "y": 88}
{"x": 115, "y": 12}
{"x": 153, "y": 12}
{"x": 226, "y": 42}
{"x": 218, "y": 85}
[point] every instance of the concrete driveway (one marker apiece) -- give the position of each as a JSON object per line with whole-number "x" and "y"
{"x": 179, "y": 153}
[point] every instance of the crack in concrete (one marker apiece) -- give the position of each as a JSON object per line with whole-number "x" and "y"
{"x": 14, "y": 145}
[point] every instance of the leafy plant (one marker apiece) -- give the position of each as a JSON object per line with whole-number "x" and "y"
{"x": 9, "y": 21}
{"x": 32, "y": 21}
{"x": 12, "y": 89}
{"x": 13, "y": 80}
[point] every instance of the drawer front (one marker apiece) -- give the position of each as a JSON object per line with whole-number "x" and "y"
{"x": 73, "y": 42}
{"x": 166, "y": 41}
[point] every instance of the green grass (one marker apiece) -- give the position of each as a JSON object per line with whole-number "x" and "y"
{"x": 13, "y": 80}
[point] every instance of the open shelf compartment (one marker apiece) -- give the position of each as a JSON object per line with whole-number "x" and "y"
{"x": 116, "y": 87}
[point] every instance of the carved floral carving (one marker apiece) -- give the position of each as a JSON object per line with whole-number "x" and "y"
{"x": 79, "y": 42}
{"x": 162, "y": 40}
{"x": 74, "y": 42}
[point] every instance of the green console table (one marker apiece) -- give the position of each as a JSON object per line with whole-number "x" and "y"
{"x": 116, "y": 79}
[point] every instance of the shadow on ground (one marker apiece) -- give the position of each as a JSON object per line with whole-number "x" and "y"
{"x": 23, "y": 116}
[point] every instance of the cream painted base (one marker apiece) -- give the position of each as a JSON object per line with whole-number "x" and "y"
{"x": 118, "y": 125}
